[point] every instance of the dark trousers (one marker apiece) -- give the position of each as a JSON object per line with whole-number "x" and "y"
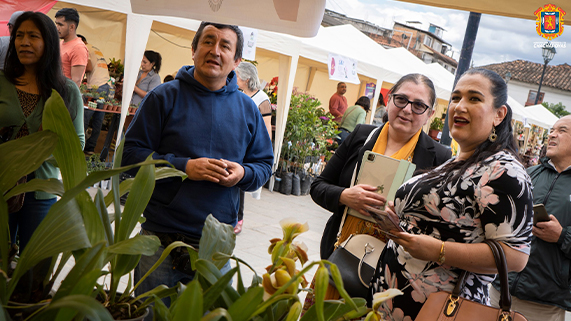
{"x": 24, "y": 222}
{"x": 342, "y": 135}
{"x": 96, "y": 118}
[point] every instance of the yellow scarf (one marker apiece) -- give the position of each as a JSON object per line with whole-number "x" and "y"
{"x": 406, "y": 152}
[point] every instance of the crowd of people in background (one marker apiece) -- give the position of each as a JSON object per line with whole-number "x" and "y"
{"x": 213, "y": 122}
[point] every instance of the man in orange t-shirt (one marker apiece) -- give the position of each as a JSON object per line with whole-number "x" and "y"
{"x": 338, "y": 103}
{"x": 74, "y": 54}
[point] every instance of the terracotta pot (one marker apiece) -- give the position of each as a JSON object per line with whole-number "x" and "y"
{"x": 118, "y": 109}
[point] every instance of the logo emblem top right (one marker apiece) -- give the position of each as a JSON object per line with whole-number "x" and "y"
{"x": 549, "y": 22}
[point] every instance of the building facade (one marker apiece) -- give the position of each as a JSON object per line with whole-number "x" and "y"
{"x": 523, "y": 81}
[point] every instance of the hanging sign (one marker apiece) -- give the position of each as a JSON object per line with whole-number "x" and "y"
{"x": 343, "y": 69}
{"x": 250, "y": 39}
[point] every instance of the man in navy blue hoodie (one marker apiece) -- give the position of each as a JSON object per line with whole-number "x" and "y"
{"x": 204, "y": 126}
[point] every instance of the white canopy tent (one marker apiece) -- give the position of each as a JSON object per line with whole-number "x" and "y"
{"x": 540, "y": 116}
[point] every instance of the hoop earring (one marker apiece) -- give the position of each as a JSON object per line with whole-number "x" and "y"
{"x": 493, "y": 135}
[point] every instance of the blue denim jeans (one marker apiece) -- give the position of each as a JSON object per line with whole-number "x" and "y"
{"x": 164, "y": 274}
{"x": 24, "y": 222}
{"x": 96, "y": 122}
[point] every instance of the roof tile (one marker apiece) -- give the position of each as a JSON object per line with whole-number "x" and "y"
{"x": 557, "y": 76}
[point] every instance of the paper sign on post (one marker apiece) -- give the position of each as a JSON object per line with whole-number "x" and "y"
{"x": 343, "y": 69}
{"x": 250, "y": 40}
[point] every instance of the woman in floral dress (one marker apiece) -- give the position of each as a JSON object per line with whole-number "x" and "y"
{"x": 447, "y": 213}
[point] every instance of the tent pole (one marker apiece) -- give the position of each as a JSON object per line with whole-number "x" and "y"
{"x": 463, "y": 64}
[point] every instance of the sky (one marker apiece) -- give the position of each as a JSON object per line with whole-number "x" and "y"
{"x": 499, "y": 38}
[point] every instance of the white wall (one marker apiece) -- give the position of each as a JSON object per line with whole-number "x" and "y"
{"x": 519, "y": 91}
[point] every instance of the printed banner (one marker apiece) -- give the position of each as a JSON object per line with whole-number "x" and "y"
{"x": 250, "y": 39}
{"x": 343, "y": 69}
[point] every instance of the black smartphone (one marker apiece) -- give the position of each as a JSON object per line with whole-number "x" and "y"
{"x": 539, "y": 214}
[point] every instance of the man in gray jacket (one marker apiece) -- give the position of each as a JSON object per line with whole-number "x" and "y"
{"x": 541, "y": 291}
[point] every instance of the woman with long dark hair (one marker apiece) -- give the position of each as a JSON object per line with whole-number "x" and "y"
{"x": 447, "y": 213}
{"x": 410, "y": 106}
{"x": 32, "y": 70}
{"x": 148, "y": 77}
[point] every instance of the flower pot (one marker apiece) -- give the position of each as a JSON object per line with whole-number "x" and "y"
{"x": 118, "y": 310}
{"x": 21, "y": 311}
{"x": 286, "y": 185}
{"x": 295, "y": 185}
{"x": 305, "y": 184}
{"x": 277, "y": 184}
{"x": 118, "y": 109}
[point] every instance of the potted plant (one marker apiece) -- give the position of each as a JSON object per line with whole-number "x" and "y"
{"x": 75, "y": 225}
{"x": 273, "y": 296}
{"x": 115, "y": 68}
{"x": 435, "y": 128}
{"x": 309, "y": 131}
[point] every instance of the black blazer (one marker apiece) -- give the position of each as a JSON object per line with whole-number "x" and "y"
{"x": 327, "y": 187}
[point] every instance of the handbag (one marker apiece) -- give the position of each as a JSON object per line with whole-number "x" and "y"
{"x": 357, "y": 259}
{"x": 448, "y": 306}
{"x": 16, "y": 202}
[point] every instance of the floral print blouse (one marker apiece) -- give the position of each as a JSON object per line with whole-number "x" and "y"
{"x": 491, "y": 200}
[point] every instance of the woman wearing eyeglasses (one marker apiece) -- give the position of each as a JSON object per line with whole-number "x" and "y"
{"x": 409, "y": 107}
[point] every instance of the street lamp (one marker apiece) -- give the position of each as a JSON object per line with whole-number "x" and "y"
{"x": 548, "y": 51}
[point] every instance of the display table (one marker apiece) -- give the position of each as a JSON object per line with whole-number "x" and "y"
{"x": 113, "y": 127}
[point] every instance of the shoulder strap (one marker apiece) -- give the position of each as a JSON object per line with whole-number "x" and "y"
{"x": 347, "y": 113}
{"x": 501, "y": 264}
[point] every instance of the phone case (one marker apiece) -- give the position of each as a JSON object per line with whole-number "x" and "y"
{"x": 384, "y": 172}
{"x": 540, "y": 214}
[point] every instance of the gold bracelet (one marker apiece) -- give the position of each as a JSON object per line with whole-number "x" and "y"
{"x": 441, "y": 257}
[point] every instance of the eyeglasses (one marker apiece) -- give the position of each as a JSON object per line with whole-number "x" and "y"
{"x": 417, "y": 107}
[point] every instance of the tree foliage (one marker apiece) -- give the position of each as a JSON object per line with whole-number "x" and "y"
{"x": 557, "y": 109}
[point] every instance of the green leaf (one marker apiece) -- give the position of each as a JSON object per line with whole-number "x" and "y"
{"x": 246, "y": 305}
{"x": 104, "y": 216}
{"x": 83, "y": 304}
{"x": 52, "y": 186}
{"x": 216, "y": 237}
{"x": 4, "y": 247}
{"x": 164, "y": 255}
{"x": 333, "y": 309}
{"x": 137, "y": 201}
{"x": 91, "y": 260}
{"x": 91, "y": 218}
{"x": 217, "y": 314}
{"x": 85, "y": 286}
{"x": 68, "y": 152}
{"x": 160, "y": 310}
{"x": 219, "y": 289}
{"x": 139, "y": 244}
{"x": 23, "y": 156}
{"x": 95, "y": 177}
{"x": 189, "y": 304}
{"x": 61, "y": 231}
{"x": 125, "y": 264}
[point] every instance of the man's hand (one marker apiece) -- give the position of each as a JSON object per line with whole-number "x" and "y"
{"x": 549, "y": 231}
{"x": 207, "y": 169}
{"x": 236, "y": 172}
